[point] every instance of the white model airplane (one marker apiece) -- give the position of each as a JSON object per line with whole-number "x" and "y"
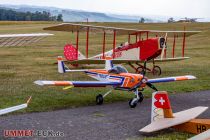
{"x": 15, "y": 108}
{"x": 162, "y": 116}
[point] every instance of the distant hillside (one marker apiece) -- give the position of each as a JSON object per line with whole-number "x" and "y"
{"x": 79, "y": 15}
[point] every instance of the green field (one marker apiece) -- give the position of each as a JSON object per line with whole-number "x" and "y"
{"x": 21, "y": 66}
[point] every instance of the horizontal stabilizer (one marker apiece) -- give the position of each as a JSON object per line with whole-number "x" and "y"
{"x": 179, "y": 118}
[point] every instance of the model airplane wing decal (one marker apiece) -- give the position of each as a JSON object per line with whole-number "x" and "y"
{"x": 77, "y": 83}
{"x": 179, "y": 118}
{"x": 172, "y": 79}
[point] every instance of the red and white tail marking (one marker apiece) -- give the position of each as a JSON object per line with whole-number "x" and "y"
{"x": 70, "y": 53}
{"x": 161, "y": 107}
{"x": 162, "y": 100}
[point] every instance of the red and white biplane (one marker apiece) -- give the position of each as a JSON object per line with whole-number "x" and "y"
{"x": 145, "y": 48}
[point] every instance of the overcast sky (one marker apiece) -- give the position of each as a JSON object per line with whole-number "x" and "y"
{"x": 181, "y": 8}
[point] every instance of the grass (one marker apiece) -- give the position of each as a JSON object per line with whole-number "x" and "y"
{"x": 20, "y": 66}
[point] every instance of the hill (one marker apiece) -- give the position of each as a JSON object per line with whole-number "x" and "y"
{"x": 70, "y": 15}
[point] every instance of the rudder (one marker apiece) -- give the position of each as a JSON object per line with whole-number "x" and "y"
{"x": 161, "y": 107}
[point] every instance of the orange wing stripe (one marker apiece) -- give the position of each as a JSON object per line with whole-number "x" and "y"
{"x": 181, "y": 78}
{"x": 62, "y": 83}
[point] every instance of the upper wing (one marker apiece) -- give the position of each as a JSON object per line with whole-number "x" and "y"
{"x": 121, "y": 61}
{"x": 21, "y": 39}
{"x": 179, "y": 118}
{"x": 77, "y": 83}
{"x": 72, "y": 27}
{"x": 14, "y": 108}
{"x": 171, "y": 79}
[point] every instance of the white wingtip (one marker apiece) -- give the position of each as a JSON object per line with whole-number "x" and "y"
{"x": 38, "y": 82}
{"x": 191, "y": 77}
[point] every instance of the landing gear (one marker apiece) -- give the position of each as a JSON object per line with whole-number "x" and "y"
{"x": 100, "y": 97}
{"x": 133, "y": 102}
{"x": 156, "y": 70}
{"x": 139, "y": 98}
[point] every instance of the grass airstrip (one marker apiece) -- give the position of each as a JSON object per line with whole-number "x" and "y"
{"x": 21, "y": 66}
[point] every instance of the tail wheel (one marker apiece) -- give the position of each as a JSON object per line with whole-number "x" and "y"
{"x": 141, "y": 97}
{"x": 99, "y": 99}
{"x": 133, "y": 102}
{"x": 156, "y": 70}
{"x": 139, "y": 70}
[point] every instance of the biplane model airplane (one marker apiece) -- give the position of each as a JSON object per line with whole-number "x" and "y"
{"x": 162, "y": 116}
{"x": 15, "y": 108}
{"x": 141, "y": 50}
{"x": 115, "y": 76}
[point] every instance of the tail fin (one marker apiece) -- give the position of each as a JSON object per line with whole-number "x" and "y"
{"x": 71, "y": 53}
{"x": 61, "y": 66}
{"x": 161, "y": 107}
{"x": 108, "y": 63}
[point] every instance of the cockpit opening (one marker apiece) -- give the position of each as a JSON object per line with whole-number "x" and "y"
{"x": 118, "y": 69}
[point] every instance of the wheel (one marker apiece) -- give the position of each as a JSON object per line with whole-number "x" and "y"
{"x": 156, "y": 70}
{"x": 133, "y": 103}
{"x": 139, "y": 70}
{"x": 141, "y": 97}
{"x": 99, "y": 99}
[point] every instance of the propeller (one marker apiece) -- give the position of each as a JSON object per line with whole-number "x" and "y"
{"x": 151, "y": 86}
{"x": 164, "y": 47}
{"x": 142, "y": 82}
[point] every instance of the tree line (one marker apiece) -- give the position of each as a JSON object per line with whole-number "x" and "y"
{"x": 11, "y": 15}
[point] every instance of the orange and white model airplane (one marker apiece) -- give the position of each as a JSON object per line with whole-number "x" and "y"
{"x": 115, "y": 76}
{"x": 162, "y": 116}
{"x": 148, "y": 45}
{"x": 15, "y": 108}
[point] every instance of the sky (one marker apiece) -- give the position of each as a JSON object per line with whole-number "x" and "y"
{"x": 179, "y": 8}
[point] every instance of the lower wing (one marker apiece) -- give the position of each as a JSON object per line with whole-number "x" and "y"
{"x": 121, "y": 61}
{"x": 77, "y": 83}
{"x": 171, "y": 79}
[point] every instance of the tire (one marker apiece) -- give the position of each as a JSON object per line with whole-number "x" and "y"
{"x": 141, "y": 97}
{"x": 139, "y": 70}
{"x": 156, "y": 70}
{"x": 132, "y": 104}
{"x": 99, "y": 99}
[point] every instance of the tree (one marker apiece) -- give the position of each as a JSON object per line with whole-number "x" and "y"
{"x": 171, "y": 20}
{"x": 142, "y": 20}
{"x": 12, "y": 15}
{"x": 60, "y": 17}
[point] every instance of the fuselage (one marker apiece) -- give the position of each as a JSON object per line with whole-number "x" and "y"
{"x": 127, "y": 80}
